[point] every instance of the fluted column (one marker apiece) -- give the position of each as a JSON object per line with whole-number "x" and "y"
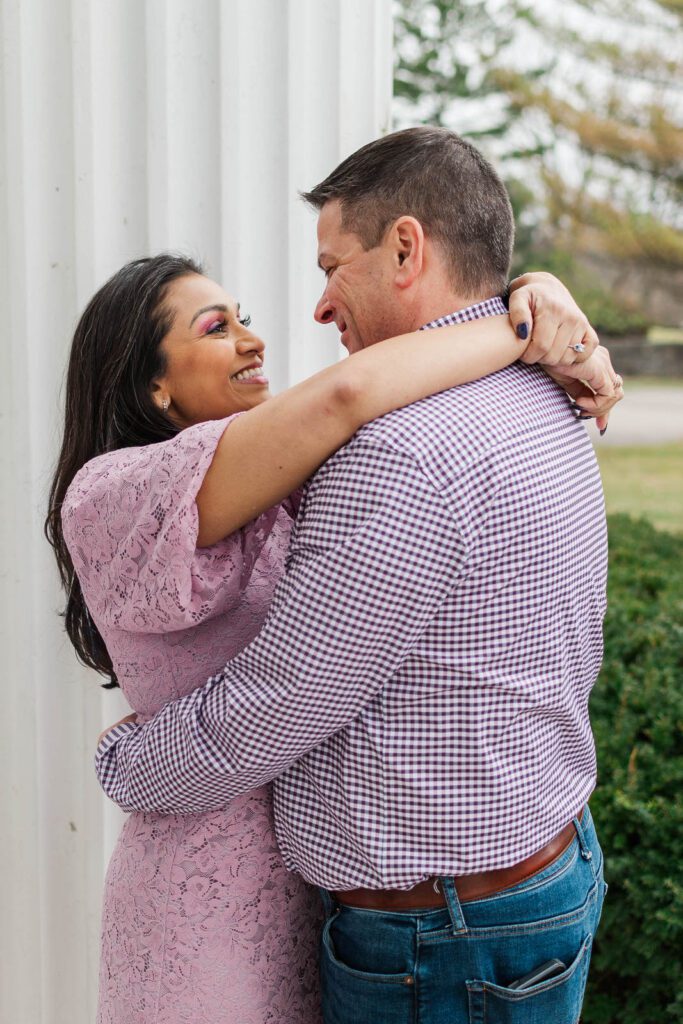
{"x": 126, "y": 127}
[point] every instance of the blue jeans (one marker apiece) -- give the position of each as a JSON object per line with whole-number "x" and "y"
{"x": 455, "y": 965}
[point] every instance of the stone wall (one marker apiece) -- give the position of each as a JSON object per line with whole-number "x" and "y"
{"x": 635, "y": 356}
{"x": 656, "y": 290}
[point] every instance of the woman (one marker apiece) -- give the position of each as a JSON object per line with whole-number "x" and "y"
{"x": 170, "y": 533}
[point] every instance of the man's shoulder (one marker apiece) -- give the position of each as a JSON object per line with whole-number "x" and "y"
{"x": 481, "y": 445}
{"x": 459, "y": 425}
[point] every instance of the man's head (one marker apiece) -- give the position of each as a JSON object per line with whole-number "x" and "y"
{"x": 409, "y": 225}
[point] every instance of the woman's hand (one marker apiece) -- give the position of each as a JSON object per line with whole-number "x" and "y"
{"x": 542, "y": 308}
{"x": 594, "y": 385}
{"x": 129, "y": 718}
{"x": 565, "y": 344}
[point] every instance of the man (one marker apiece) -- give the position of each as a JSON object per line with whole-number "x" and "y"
{"x": 421, "y": 684}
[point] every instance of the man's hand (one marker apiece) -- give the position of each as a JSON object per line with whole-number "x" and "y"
{"x": 541, "y": 306}
{"x": 594, "y": 385}
{"x": 124, "y": 721}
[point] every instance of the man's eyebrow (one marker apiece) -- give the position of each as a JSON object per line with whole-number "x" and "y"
{"x": 207, "y": 309}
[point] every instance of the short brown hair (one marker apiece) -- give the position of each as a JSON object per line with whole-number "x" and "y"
{"x": 445, "y": 183}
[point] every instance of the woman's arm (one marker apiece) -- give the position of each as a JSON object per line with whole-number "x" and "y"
{"x": 269, "y": 451}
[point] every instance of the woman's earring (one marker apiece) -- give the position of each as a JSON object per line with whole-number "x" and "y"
{"x": 165, "y": 404}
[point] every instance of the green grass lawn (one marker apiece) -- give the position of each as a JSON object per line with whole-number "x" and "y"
{"x": 646, "y": 481}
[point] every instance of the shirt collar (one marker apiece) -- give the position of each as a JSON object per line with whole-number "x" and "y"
{"x": 489, "y": 307}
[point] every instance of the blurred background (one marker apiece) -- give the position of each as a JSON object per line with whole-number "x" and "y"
{"x": 128, "y": 127}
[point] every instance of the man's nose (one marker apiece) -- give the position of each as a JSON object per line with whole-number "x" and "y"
{"x": 323, "y": 312}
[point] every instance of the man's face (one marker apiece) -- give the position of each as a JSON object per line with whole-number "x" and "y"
{"x": 358, "y": 295}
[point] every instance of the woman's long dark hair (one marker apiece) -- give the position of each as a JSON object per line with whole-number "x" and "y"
{"x": 115, "y": 358}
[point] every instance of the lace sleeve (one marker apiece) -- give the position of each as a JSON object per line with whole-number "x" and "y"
{"x": 130, "y": 522}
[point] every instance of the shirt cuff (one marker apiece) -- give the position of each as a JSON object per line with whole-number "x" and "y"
{"x": 112, "y": 737}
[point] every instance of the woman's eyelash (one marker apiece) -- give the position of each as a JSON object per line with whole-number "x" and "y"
{"x": 218, "y": 325}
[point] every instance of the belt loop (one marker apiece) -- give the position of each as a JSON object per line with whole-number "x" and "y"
{"x": 327, "y": 900}
{"x": 453, "y": 903}
{"x": 581, "y": 835}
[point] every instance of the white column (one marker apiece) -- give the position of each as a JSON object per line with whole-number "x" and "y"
{"x": 127, "y": 127}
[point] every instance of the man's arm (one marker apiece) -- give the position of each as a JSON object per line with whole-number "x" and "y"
{"x": 373, "y": 557}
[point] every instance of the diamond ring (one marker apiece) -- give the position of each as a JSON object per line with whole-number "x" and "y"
{"x": 579, "y": 347}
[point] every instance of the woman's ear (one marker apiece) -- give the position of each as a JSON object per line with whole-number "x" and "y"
{"x": 160, "y": 396}
{"x": 407, "y": 240}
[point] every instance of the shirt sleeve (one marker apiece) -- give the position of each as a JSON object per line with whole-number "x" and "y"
{"x": 374, "y": 554}
{"x": 130, "y": 522}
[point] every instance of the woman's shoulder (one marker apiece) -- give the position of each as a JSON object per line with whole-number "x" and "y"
{"x": 130, "y": 521}
{"x": 146, "y": 468}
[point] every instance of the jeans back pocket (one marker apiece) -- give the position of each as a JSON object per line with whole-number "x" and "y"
{"x": 557, "y": 1000}
{"x": 364, "y": 997}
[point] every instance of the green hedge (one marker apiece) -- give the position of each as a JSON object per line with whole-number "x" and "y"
{"x": 637, "y": 714}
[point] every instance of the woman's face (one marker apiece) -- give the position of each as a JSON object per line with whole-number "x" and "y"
{"x": 213, "y": 362}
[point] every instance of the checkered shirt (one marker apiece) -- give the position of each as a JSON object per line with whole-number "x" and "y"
{"x": 419, "y": 690}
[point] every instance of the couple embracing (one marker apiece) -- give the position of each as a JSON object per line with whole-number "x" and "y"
{"x": 397, "y": 568}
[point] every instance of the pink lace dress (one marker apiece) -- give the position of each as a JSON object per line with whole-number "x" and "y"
{"x": 202, "y": 923}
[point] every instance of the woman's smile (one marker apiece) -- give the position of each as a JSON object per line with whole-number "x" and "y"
{"x": 252, "y": 375}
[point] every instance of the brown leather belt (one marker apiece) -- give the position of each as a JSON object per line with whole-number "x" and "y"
{"x": 427, "y": 895}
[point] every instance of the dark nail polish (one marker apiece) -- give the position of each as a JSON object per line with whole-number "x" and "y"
{"x": 586, "y": 416}
{"x": 603, "y": 431}
{"x": 523, "y": 331}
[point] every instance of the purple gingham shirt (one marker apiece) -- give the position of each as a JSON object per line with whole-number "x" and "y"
{"x": 420, "y": 686}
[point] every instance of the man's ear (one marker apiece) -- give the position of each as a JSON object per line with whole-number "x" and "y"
{"x": 407, "y": 238}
